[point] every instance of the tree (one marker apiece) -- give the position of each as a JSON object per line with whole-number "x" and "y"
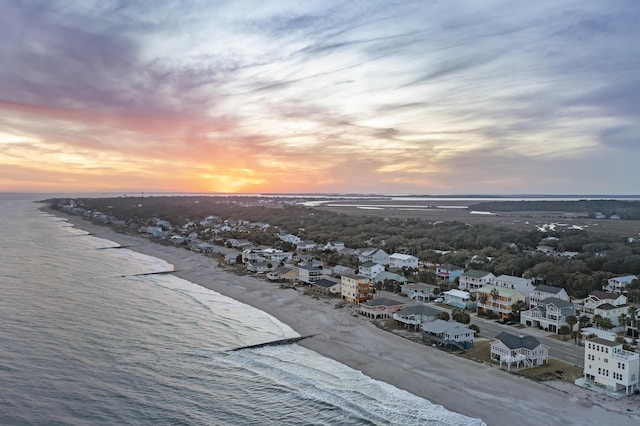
{"x": 444, "y": 315}
{"x": 475, "y": 328}
{"x": 516, "y": 309}
{"x": 461, "y": 316}
{"x": 482, "y": 298}
{"x": 495, "y": 293}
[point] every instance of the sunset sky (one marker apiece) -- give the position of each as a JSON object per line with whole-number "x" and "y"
{"x": 428, "y": 97}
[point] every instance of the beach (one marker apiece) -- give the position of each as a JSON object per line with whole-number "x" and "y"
{"x": 467, "y": 387}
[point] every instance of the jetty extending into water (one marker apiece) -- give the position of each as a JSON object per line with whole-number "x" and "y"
{"x": 274, "y": 343}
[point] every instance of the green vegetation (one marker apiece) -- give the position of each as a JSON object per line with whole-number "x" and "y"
{"x": 492, "y": 248}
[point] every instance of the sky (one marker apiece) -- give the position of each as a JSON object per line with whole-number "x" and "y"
{"x": 386, "y": 97}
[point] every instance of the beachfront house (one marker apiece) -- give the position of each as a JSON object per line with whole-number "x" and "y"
{"x": 400, "y": 261}
{"x": 309, "y": 273}
{"x": 549, "y": 314}
{"x": 607, "y": 365}
{"x": 518, "y": 350}
{"x": 284, "y": 274}
{"x": 370, "y": 269}
{"x": 492, "y": 300}
{"x": 380, "y": 307}
{"x": 356, "y": 289}
{"x": 326, "y": 286}
{"x": 460, "y": 299}
{"x": 474, "y": 279}
{"x": 617, "y": 284}
{"x": 259, "y": 266}
{"x": 414, "y": 316}
{"x": 418, "y": 291}
{"x": 449, "y": 334}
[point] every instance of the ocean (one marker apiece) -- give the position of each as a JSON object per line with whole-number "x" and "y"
{"x": 88, "y": 337}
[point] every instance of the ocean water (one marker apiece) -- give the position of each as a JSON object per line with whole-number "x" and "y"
{"x": 87, "y": 337}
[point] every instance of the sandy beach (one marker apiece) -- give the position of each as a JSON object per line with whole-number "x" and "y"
{"x": 460, "y": 385}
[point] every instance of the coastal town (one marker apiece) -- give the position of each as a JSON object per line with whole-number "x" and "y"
{"x": 520, "y": 327}
{"x": 518, "y": 324}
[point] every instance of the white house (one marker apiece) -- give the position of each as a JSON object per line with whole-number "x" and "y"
{"x": 607, "y": 305}
{"x": 399, "y": 260}
{"x": 334, "y": 246}
{"x": 448, "y": 333}
{"x": 542, "y": 292}
{"x": 418, "y": 291}
{"x": 606, "y": 364}
{"x": 374, "y": 255}
{"x": 474, "y": 279}
{"x": 523, "y": 285}
{"x": 518, "y": 350}
{"x": 309, "y": 274}
{"x": 549, "y": 314}
{"x": 370, "y": 269}
{"x": 306, "y": 245}
{"x": 617, "y": 284}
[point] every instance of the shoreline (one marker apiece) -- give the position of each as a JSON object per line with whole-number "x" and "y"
{"x": 466, "y": 387}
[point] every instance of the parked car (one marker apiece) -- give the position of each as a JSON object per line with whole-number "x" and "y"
{"x": 439, "y": 300}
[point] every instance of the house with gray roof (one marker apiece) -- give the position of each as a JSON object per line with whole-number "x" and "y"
{"x": 370, "y": 269}
{"x": 518, "y": 350}
{"x": 544, "y": 291}
{"x": 449, "y": 334}
{"x": 474, "y": 279}
{"x": 549, "y": 314}
{"x": 523, "y": 285}
{"x": 390, "y": 277}
{"x": 374, "y": 255}
{"x": 413, "y": 316}
{"x": 326, "y": 286}
{"x": 418, "y": 291}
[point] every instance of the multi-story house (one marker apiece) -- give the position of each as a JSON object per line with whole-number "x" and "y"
{"x": 356, "y": 289}
{"x": 370, "y": 269}
{"x": 399, "y": 260}
{"x": 549, "y": 314}
{"x": 518, "y": 350}
{"x": 309, "y": 273}
{"x": 543, "y": 291}
{"x": 497, "y": 300}
{"x": 607, "y": 305}
{"x": 617, "y": 284}
{"x": 606, "y": 364}
{"x": 448, "y": 272}
{"x": 380, "y": 307}
{"x": 523, "y": 285}
{"x": 474, "y": 279}
{"x": 418, "y": 291}
{"x": 378, "y": 256}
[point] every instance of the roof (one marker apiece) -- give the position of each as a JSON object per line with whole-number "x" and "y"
{"x": 601, "y": 295}
{"x": 450, "y": 267}
{"x": 458, "y": 293}
{"x": 439, "y": 326}
{"x": 516, "y": 342}
{"x": 558, "y": 303}
{"x": 386, "y": 275}
{"x": 417, "y": 286}
{"x": 626, "y": 279}
{"x": 402, "y": 256}
{"x": 324, "y": 282}
{"x": 502, "y": 291}
{"x": 474, "y": 273}
{"x": 512, "y": 280}
{"x": 383, "y": 301}
{"x": 609, "y": 306}
{"x": 605, "y": 342}
{"x": 418, "y": 310}
{"x": 283, "y": 269}
{"x": 548, "y": 289}
{"x": 369, "y": 264}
